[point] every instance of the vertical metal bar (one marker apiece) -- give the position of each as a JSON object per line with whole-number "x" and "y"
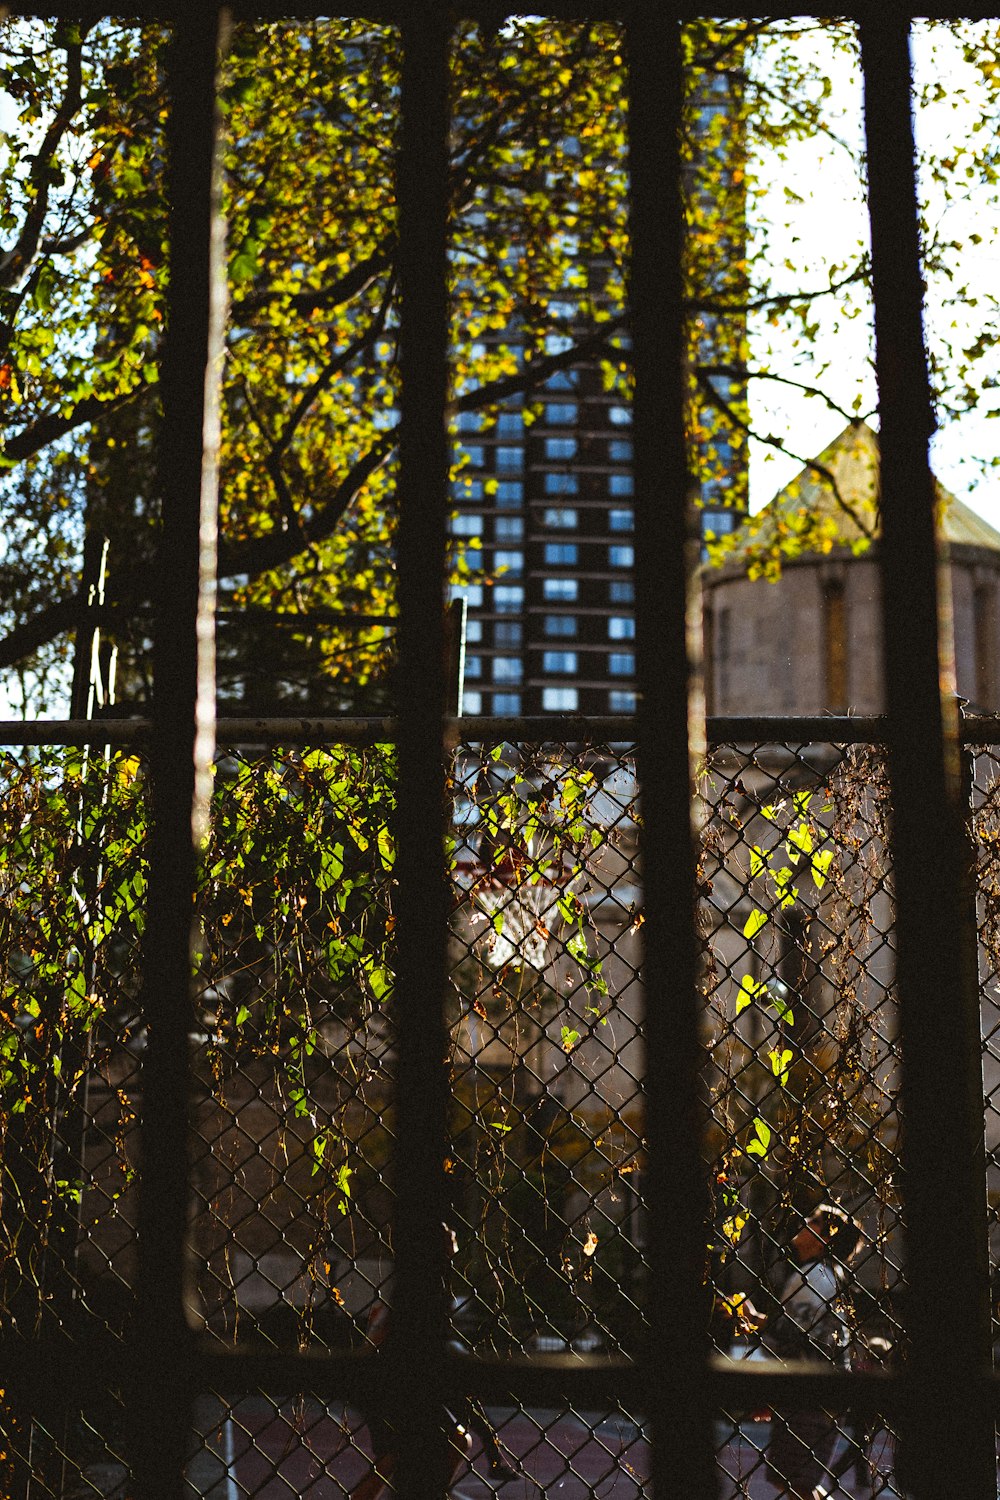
{"x": 949, "y": 1432}
{"x": 182, "y": 744}
{"x": 86, "y": 682}
{"x": 416, "y": 1342}
{"x": 671, "y": 731}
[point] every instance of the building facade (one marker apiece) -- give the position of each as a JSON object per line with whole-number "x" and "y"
{"x": 809, "y": 641}
{"x": 545, "y": 491}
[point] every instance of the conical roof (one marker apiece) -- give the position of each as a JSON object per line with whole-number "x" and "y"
{"x": 833, "y": 502}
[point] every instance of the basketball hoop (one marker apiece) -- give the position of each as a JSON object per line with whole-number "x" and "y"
{"x": 521, "y": 906}
{"x": 521, "y": 915}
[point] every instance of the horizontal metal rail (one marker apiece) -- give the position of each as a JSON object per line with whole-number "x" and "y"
{"x": 550, "y": 729}
{"x": 394, "y": 11}
{"x": 371, "y": 1380}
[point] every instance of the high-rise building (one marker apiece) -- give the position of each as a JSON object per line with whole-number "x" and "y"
{"x": 551, "y": 628}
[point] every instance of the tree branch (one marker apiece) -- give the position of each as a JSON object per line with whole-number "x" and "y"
{"x": 49, "y": 429}
{"x": 353, "y": 282}
{"x": 37, "y": 632}
{"x": 822, "y": 472}
{"x": 14, "y": 262}
{"x": 537, "y": 371}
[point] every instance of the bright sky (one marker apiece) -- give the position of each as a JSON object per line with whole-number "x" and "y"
{"x": 823, "y": 226}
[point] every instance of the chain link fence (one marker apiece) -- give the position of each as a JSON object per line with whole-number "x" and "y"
{"x": 293, "y": 1117}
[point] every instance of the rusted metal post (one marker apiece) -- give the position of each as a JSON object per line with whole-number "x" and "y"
{"x": 671, "y": 733}
{"x": 417, "y": 1339}
{"x": 181, "y": 747}
{"x": 948, "y": 1430}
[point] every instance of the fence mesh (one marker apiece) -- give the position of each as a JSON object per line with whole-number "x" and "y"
{"x": 293, "y": 1123}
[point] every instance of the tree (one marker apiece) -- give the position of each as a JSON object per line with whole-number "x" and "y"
{"x": 540, "y": 246}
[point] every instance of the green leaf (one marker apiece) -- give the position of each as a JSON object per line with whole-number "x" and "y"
{"x": 750, "y": 990}
{"x": 762, "y": 1138}
{"x": 342, "y": 1181}
{"x": 242, "y": 1015}
{"x": 781, "y": 1060}
{"x": 381, "y": 982}
{"x": 568, "y": 1038}
{"x": 758, "y": 861}
{"x": 800, "y": 838}
{"x": 754, "y": 922}
{"x": 786, "y": 892}
{"x": 782, "y": 1009}
{"x": 386, "y": 848}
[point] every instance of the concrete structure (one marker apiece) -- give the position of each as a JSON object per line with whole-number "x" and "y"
{"x": 809, "y": 641}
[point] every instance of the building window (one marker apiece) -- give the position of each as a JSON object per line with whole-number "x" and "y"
{"x": 560, "y": 588}
{"x": 562, "y": 380}
{"x": 620, "y": 450}
{"x": 473, "y": 630}
{"x": 510, "y": 424}
{"x": 563, "y": 625}
{"x": 506, "y": 703}
{"x": 621, "y": 628}
{"x": 509, "y": 527}
{"x": 718, "y": 522}
{"x": 473, "y": 666}
{"x": 561, "y": 554}
{"x": 560, "y": 517}
{"x": 467, "y": 525}
{"x": 559, "y": 413}
{"x": 621, "y": 664}
{"x": 621, "y": 702}
{"x": 465, "y": 489}
{"x": 561, "y": 484}
{"x": 510, "y": 460}
{"x": 621, "y": 557}
{"x": 621, "y": 520}
{"x": 560, "y": 700}
{"x": 507, "y": 669}
{"x": 508, "y": 598}
{"x": 513, "y": 562}
{"x": 473, "y": 453}
{"x": 472, "y": 593}
{"x": 469, "y": 421}
{"x": 508, "y": 633}
{"x": 558, "y": 661}
{"x": 619, "y": 416}
{"x": 557, "y": 449}
{"x": 510, "y": 492}
{"x": 621, "y": 592}
{"x": 620, "y": 484}
{"x": 472, "y": 703}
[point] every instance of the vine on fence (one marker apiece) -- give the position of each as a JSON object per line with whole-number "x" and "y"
{"x": 293, "y": 1008}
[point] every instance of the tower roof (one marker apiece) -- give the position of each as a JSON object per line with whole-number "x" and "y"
{"x": 833, "y": 502}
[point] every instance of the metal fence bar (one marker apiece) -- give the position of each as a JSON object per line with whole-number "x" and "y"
{"x": 418, "y": 1327}
{"x": 975, "y": 729}
{"x": 951, "y": 1440}
{"x": 180, "y": 749}
{"x": 670, "y": 728}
